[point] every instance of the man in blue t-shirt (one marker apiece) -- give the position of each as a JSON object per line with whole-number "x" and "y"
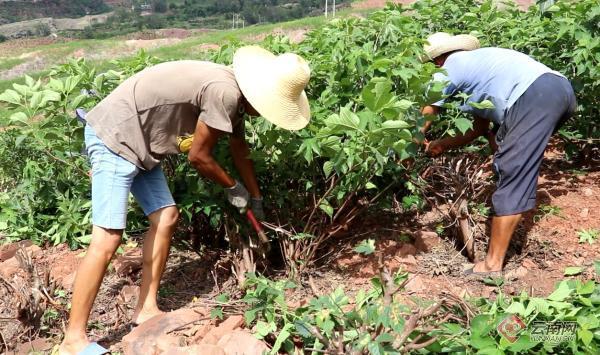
{"x": 530, "y": 102}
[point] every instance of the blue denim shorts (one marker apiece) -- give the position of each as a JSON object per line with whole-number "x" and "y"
{"x": 113, "y": 178}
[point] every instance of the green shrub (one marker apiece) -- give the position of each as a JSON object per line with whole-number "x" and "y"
{"x": 373, "y": 321}
{"x": 366, "y": 89}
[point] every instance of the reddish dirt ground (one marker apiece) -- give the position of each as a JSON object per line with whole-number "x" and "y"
{"x": 544, "y": 245}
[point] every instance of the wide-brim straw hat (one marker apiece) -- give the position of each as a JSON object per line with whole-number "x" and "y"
{"x": 442, "y": 42}
{"x": 274, "y": 85}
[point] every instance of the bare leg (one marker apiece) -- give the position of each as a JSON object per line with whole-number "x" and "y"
{"x": 156, "y": 251}
{"x": 503, "y": 228}
{"x": 87, "y": 283}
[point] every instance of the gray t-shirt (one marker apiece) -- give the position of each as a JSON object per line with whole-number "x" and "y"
{"x": 142, "y": 118}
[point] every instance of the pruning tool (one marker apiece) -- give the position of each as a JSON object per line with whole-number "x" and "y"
{"x": 264, "y": 245}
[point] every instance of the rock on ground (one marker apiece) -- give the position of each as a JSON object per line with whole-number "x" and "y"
{"x": 425, "y": 241}
{"x": 152, "y": 335}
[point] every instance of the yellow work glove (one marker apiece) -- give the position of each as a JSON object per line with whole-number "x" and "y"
{"x": 184, "y": 144}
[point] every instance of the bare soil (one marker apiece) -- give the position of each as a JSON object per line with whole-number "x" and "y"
{"x": 544, "y": 245}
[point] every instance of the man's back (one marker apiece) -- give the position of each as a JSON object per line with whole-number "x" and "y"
{"x": 142, "y": 118}
{"x": 495, "y": 74}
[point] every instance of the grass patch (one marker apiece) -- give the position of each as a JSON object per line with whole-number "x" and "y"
{"x": 545, "y": 211}
{"x": 9, "y": 63}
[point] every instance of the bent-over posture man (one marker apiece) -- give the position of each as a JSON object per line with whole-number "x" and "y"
{"x": 530, "y": 102}
{"x": 130, "y": 131}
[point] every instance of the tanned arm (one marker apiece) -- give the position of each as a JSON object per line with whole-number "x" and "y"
{"x": 480, "y": 128}
{"x": 200, "y": 155}
{"x": 429, "y": 111}
{"x": 241, "y": 159}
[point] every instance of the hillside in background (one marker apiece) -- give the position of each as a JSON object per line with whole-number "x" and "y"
{"x": 128, "y": 16}
{"x": 14, "y": 11}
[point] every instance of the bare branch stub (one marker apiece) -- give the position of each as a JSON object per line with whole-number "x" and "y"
{"x": 455, "y": 181}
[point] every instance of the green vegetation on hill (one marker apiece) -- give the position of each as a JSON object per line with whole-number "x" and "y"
{"x": 250, "y": 11}
{"x": 213, "y": 14}
{"x": 13, "y": 11}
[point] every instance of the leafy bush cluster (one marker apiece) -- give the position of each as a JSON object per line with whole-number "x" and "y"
{"x": 373, "y": 321}
{"x": 366, "y": 90}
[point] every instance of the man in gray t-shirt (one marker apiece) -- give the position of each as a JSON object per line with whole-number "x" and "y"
{"x": 530, "y": 101}
{"x": 142, "y": 121}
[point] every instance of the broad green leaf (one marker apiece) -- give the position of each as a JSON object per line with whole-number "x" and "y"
{"x": 20, "y": 140}
{"x": 77, "y": 101}
{"x": 70, "y": 83}
{"x": 344, "y": 122}
{"x": 491, "y": 350}
{"x": 217, "y": 313}
{"x": 284, "y": 334}
{"x": 586, "y": 336}
{"x": 55, "y": 84}
{"x": 483, "y": 105}
{"x": 29, "y": 80}
{"x": 482, "y": 343}
{"x": 481, "y": 325}
{"x": 385, "y": 338}
{"x": 589, "y": 321}
{"x": 516, "y": 308}
{"x": 463, "y": 124}
{"x": 383, "y": 63}
{"x": 573, "y": 270}
{"x": 586, "y": 288}
{"x": 562, "y": 292}
{"x": 327, "y": 326}
{"x": 539, "y": 305}
{"x": 390, "y": 124}
{"x": 404, "y": 104}
{"x": 523, "y": 343}
{"x": 250, "y": 315}
{"x": 302, "y": 329}
{"x": 326, "y": 207}
{"x": 263, "y": 329}
{"x": 365, "y": 247}
{"x": 377, "y": 94}
{"x": 35, "y": 100}
{"x": 11, "y": 96}
{"x": 19, "y": 117}
{"x": 405, "y": 135}
{"x": 99, "y": 81}
{"x": 50, "y": 95}
{"x": 327, "y": 168}
{"x": 494, "y": 281}
{"x": 223, "y": 298}
{"x": 22, "y": 89}
{"x": 375, "y": 348}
